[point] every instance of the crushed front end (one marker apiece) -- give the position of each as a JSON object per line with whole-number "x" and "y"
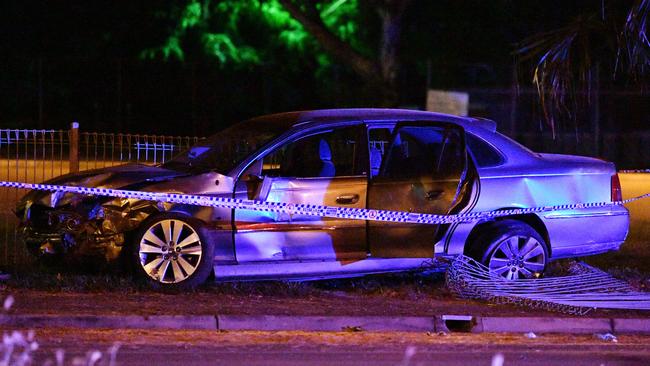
{"x": 82, "y": 226}
{"x": 74, "y": 226}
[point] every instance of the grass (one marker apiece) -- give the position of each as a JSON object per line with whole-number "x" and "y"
{"x": 403, "y": 285}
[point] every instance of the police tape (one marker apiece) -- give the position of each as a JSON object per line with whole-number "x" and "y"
{"x": 307, "y": 209}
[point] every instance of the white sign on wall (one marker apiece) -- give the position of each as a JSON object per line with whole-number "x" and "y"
{"x": 442, "y": 101}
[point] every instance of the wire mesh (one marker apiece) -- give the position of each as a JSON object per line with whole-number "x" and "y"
{"x": 584, "y": 289}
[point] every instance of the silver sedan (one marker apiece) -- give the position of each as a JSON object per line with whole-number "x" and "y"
{"x": 362, "y": 158}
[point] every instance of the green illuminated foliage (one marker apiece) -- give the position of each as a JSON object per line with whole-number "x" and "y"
{"x": 221, "y": 46}
{"x": 191, "y": 15}
{"x": 250, "y": 32}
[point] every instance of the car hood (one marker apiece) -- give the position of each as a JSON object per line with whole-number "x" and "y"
{"x": 116, "y": 177}
{"x": 130, "y": 177}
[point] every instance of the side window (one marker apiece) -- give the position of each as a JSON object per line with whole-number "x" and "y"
{"x": 484, "y": 154}
{"x": 425, "y": 151}
{"x": 332, "y": 153}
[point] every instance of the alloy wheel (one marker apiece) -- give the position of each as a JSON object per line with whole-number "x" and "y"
{"x": 518, "y": 257}
{"x": 170, "y": 251}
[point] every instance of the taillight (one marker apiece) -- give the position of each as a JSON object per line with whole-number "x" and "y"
{"x": 617, "y": 194}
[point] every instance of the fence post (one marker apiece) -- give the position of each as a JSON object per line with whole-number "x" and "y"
{"x": 74, "y": 147}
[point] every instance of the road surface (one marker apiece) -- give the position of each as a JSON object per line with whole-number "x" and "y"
{"x": 344, "y": 348}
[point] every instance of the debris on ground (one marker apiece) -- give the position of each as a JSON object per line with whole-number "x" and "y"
{"x": 530, "y": 335}
{"x": 352, "y": 329}
{"x": 607, "y": 337}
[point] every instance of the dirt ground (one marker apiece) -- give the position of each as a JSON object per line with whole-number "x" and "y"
{"x": 217, "y": 300}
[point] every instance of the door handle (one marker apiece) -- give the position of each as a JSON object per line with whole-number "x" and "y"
{"x": 347, "y": 199}
{"x": 432, "y": 195}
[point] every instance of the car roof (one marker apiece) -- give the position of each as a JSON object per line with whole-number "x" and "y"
{"x": 324, "y": 116}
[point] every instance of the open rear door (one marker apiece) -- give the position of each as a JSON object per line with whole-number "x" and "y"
{"x": 422, "y": 171}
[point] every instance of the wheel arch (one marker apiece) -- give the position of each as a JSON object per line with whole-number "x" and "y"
{"x": 531, "y": 219}
{"x": 149, "y": 215}
{"x": 224, "y": 246}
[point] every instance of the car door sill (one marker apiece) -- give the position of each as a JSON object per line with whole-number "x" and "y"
{"x": 315, "y": 270}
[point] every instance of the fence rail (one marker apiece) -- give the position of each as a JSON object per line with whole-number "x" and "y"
{"x": 98, "y": 150}
{"x": 626, "y": 150}
{"x": 31, "y": 155}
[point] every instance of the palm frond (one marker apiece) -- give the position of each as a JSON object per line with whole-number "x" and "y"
{"x": 634, "y": 42}
{"x": 566, "y": 61}
{"x": 563, "y": 62}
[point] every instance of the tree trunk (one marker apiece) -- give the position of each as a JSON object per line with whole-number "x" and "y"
{"x": 381, "y": 74}
{"x": 391, "y": 13}
{"x": 341, "y": 51}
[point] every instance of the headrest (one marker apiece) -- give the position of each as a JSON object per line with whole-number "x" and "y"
{"x": 375, "y": 157}
{"x": 324, "y": 150}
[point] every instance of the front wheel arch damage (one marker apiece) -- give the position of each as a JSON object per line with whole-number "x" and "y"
{"x": 177, "y": 266}
{"x": 486, "y": 240}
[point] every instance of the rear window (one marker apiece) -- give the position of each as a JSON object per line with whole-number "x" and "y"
{"x": 484, "y": 154}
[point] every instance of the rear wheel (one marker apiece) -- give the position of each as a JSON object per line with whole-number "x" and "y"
{"x": 170, "y": 252}
{"x": 511, "y": 249}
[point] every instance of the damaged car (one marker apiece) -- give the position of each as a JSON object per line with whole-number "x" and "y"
{"x": 400, "y": 160}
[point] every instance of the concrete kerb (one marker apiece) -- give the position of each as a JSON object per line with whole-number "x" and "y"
{"x": 486, "y": 324}
{"x": 544, "y": 325}
{"x": 179, "y": 322}
{"x": 327, "y": 323}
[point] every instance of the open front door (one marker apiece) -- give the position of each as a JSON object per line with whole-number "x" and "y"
{"x": 327, "y": 167}
{"x": 422, "y": 171}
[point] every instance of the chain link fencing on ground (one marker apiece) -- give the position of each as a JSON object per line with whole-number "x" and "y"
{"x": 583, "y": 289}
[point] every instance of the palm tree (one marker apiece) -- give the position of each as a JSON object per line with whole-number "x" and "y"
{"x": 567, "y": 62}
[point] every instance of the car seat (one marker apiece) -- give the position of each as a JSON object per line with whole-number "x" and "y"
{"x": 309, "y": 158}
{"x": 327, "y": 168}
{"x": 375, "y": 161}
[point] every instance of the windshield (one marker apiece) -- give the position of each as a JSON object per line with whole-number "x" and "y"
{"x": 224, "y": 150}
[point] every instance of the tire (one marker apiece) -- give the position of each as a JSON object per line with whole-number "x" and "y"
{"x": 511, "y": 249}
{"x": 170, "y": 259}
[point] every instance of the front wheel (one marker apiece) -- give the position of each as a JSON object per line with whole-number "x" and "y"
{"x": 511, "y": 249}
{"x": 170, "y": 252}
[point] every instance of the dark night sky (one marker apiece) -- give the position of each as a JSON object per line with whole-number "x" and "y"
{"x": 79, "y": 60}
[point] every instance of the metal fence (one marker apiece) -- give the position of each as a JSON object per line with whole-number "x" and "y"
{"x": 615, "y": 126}
{"x": 38, "y": 155}
{"x": 626, "y": 150}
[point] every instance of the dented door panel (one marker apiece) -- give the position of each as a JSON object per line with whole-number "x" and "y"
{"x": 263, "y": 236}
